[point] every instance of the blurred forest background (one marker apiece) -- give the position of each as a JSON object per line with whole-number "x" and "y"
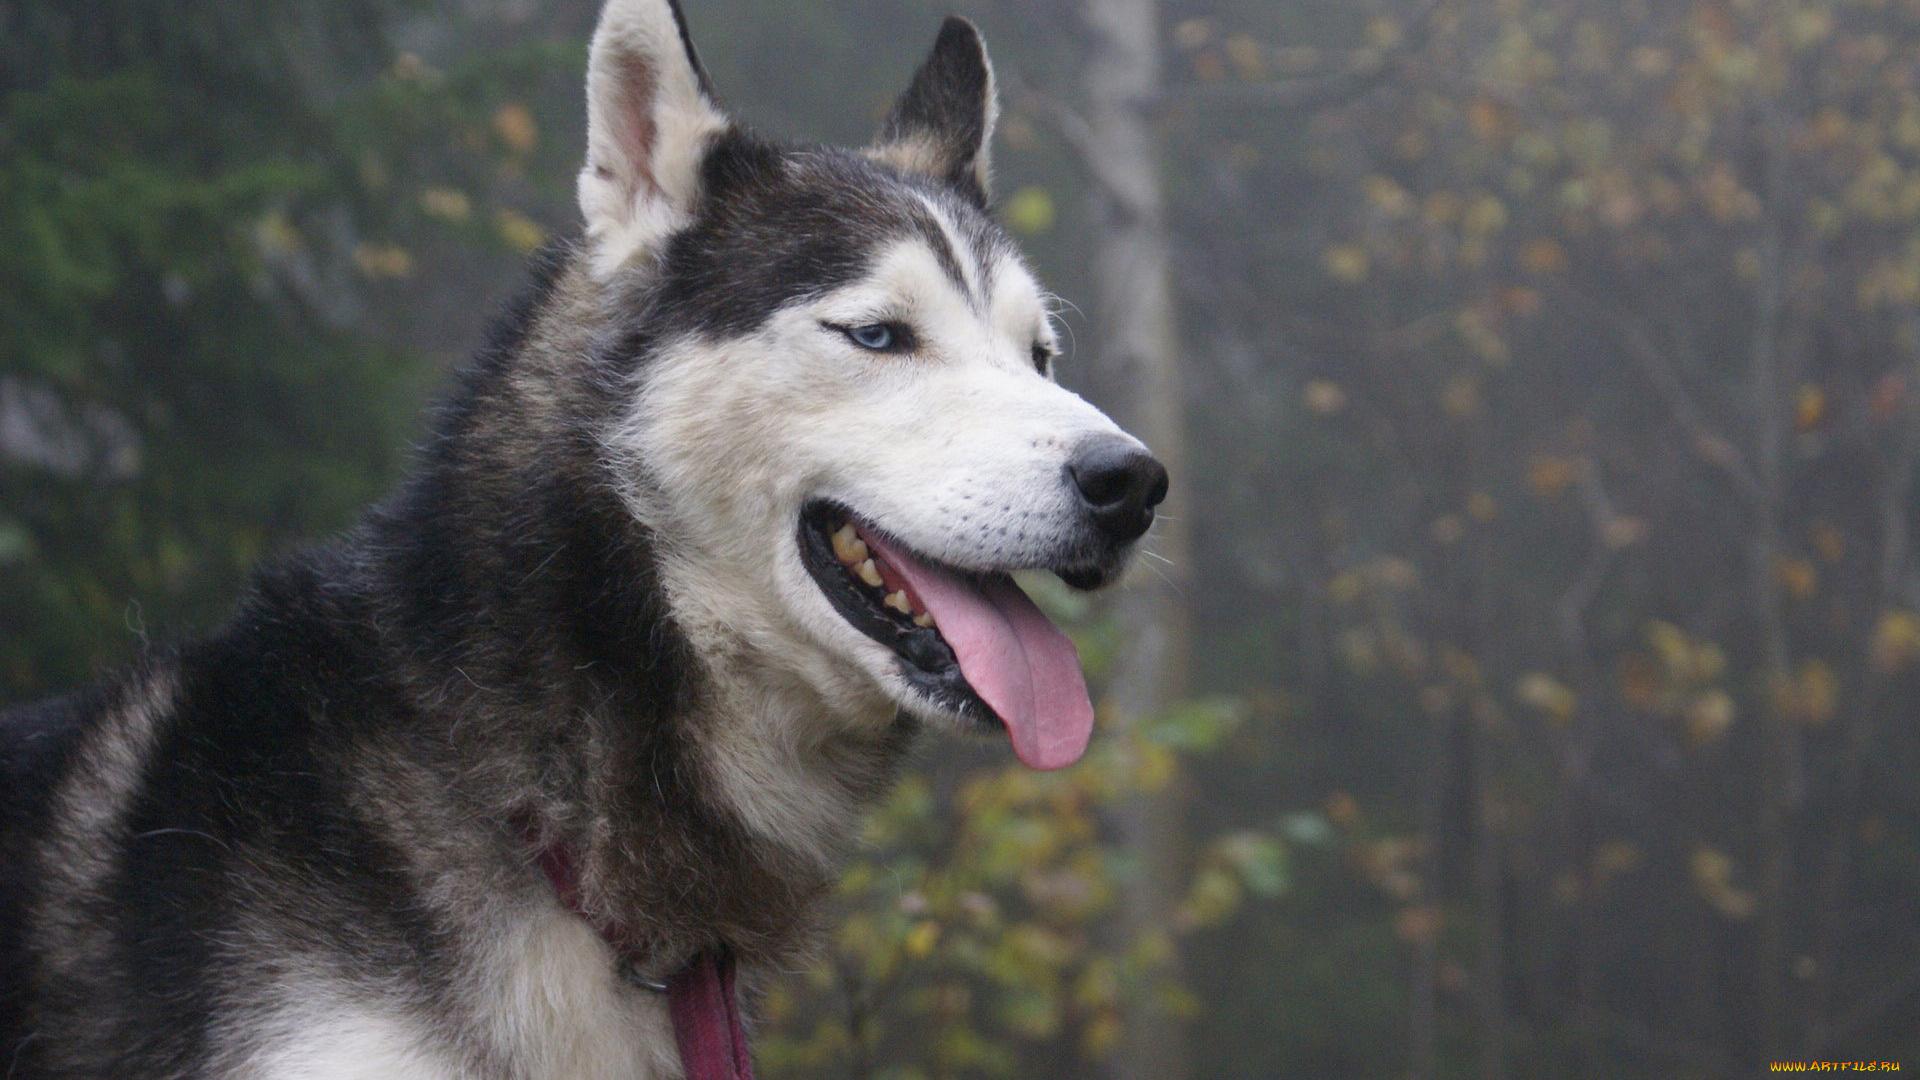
{"x": 1527, "y": 683}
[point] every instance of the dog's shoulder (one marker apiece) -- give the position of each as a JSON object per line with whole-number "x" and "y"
{"x": 36, "y": 741}
{"x": 64, "y": 763}
{"x": 188, "y": 767}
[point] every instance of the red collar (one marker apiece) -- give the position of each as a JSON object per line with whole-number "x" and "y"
{"x": 700, "y": 997}
{"x": 706, "y": 1020}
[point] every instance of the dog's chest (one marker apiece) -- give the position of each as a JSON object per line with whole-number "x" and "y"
{"x": 545, "y": 1003}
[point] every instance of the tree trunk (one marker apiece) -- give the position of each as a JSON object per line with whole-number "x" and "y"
{"x": 1134, "y": 326}
{"x": 1780, "y": 779}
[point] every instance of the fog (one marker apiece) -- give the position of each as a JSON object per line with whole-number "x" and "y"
{"x": 1520, "y": 681}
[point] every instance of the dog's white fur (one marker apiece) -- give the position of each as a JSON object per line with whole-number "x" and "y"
{"x": 943, "y": 449}
{"x": 550, "y": 1006}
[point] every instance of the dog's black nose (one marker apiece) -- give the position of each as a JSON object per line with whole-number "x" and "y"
{"x": 1120, "y": 484}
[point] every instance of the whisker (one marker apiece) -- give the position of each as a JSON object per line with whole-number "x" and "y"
{"x": 1171, "y": 584}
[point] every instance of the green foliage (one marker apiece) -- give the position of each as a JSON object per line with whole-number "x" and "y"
{"x": 202, "y": 225}
{"x": 974, "y": 939}
{"x": 976, "y": 936}
{"x": 174, "y": 414}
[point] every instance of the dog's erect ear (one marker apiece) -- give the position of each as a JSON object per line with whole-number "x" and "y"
{"x": 650, "y": 119}
{"x": 941, "y": 126}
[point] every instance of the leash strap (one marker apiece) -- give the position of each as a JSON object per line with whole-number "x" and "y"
{"x": 706, "y": 1020}
{"x": 700, "y": 999}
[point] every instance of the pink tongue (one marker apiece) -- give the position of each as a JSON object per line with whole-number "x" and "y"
{"x": 1019, "y": 663}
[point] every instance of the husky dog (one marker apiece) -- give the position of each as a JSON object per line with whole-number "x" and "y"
{"x": 721, "y": 517}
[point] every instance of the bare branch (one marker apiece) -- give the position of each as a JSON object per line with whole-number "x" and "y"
{"x": 1367, "y": 70}
{"x": 1291, "y": 95}
{"x": 1072, "y": 128}
{"x": 1706, "y": 443}
{"x": 1572, "y": 608}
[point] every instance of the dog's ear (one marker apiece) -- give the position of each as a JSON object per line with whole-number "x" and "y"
{"x": 650, "y": 120}
{"x": 942, "y": 125}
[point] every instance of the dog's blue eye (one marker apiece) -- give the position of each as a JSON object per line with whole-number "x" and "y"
{"x": 875, "y": 336}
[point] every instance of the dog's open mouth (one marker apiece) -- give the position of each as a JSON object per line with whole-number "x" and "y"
{"x": 972, "y": 642}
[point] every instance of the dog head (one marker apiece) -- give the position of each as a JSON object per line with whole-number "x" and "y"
{"x": 841, "y": 419}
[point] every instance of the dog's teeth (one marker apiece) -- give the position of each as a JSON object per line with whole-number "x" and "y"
{"x": 868, "y": 573}
{"x": 923, "y": 620}
{"x": 847, "y": 545}
{"x": 898, "y": 602}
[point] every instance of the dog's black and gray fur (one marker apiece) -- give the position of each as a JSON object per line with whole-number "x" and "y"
{"x": 307, "y": 846}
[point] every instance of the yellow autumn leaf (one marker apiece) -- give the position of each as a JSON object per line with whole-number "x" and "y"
{"x": 1543, "y": 257}
{"x": 1521, "y": 301}
{"x": 1809, "y": 407}
{"x": 1479, "y": 333}
{"x": 1030, "y": 210}
{"x": 1709, "y": 716}
{"x": 1360, "y": 648}
{"x": 1343, "y": 809}
{"x": 1417, "y": 925}
{"x": 522, "y": 232}
{"x": 1347, "y": 263}
{"x": 1809, "y": 26}
{"x": 447, "y": 204}
{"x": 1100, "y": 1035}
{"x": 1460, "y": 398}
{"x": 1621, "y": 531}
{"x": 1487, "y": 215}
{"x": 1387, "y": 196}
{"x": 277, "y": 235}
{"x": 1324, "y": 396}
{"x": 1798, "y": 577}
{"x": 1815, "y": 696}
{"x": 1896, "y": 641}
{"x": 1442, "y": 208}
{"x": 1488, "y": 118}
{"x": 1616, "y": 857}
{"x": 1393, "y": 572}
{"x": 1551, "y": 476}
{"x": 1671, "y": 645}
{"x": 1247, "y": 57}
{"x": 1154, "y": 766}
{"x": 1547, "y": 694}
{"x": 1713, "y": 878}
{"x": 514, "y": 124}
{"x": 1346, "y": 587}
{"x": 383, "y": 260}
{"x": 1711, "y": 867}
{"x": 1215, "y": 894}
{"x": 922, "y": 938}
{"x": 1191, "y": 34}
{"x": 1384, "y": 32}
